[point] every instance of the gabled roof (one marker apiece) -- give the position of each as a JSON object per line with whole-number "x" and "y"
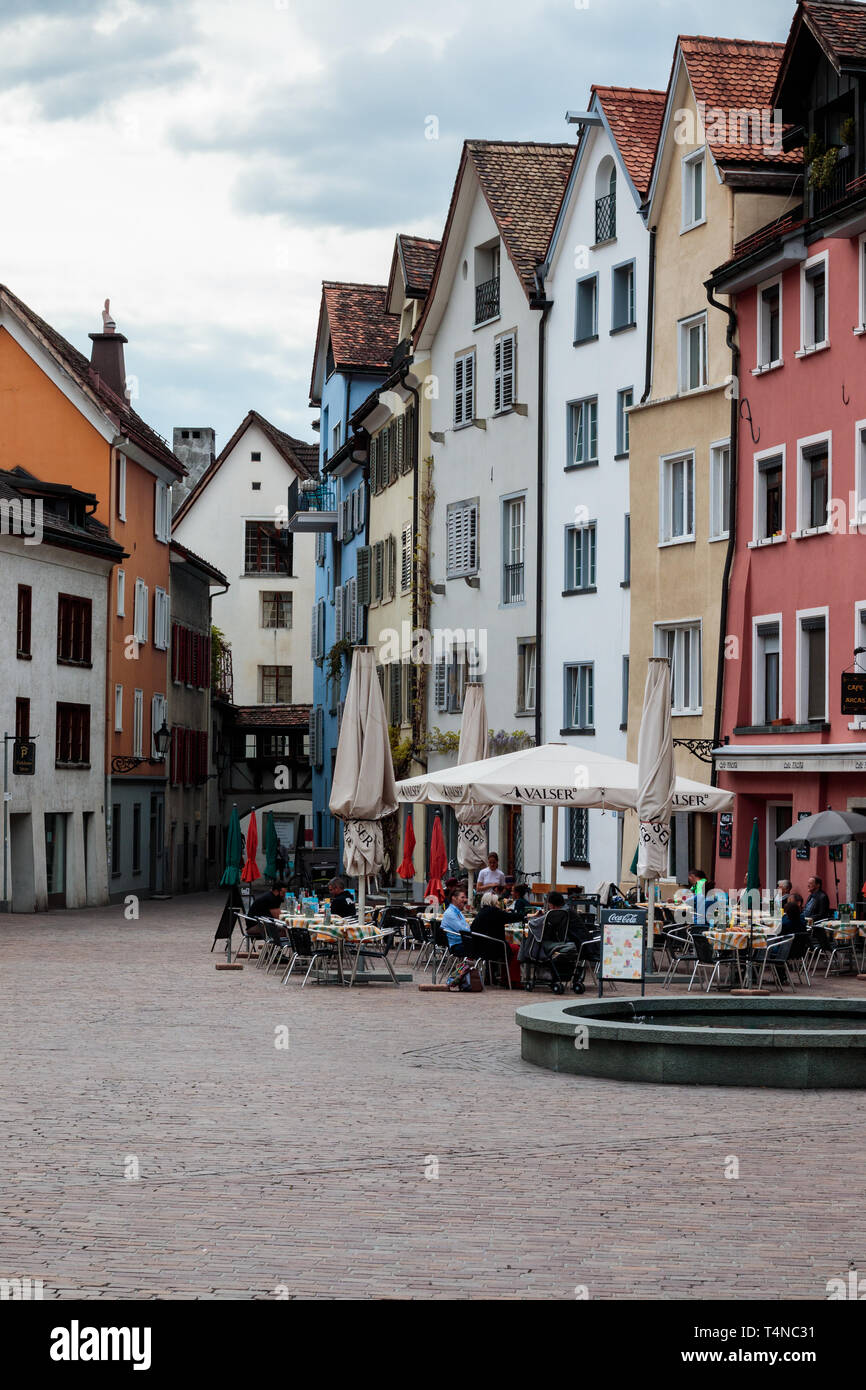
{"x": 634, "y": 117}
{"x": 127, "y": 420}
{"x": 17, "y": 484}
{"x": 523, "y": 185}
{"x": 838, "y": 27}
{"x": 272, "y": 716}
{"x": 356, "y": 321}
{"x": 301, "y": 457}
{"x": 418, "y": 255}
{"x": 184, "y": 553}
{"x": 735, "y": 75}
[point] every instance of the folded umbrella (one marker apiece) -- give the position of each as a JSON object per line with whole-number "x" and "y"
{"x": 250, "y": 871}
{"x": 407, "y": 865}
{"x": 272, "y": 844}
{"x": 232, "y": 870}
{"x": 472, "y": 816}
{"x": 438, "y": 863}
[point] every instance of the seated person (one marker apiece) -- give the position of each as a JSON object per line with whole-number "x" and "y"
{"x": 454, "y": 924}
{"x": 792, "y": 916}
{"x": 492, "y": 876}
{"x": 520, "y": 904}
{"x": 341, "y": 904}
{"x": 817, "y": 903}
{"x": 268, "y": 904}
{"x": 491, "y": 918}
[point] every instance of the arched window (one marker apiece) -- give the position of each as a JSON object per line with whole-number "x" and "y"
{"x": 605, "y": 200}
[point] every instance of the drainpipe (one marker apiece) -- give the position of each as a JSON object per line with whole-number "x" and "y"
{"x": 650, "y": 309}
{"x": 540, "y": 301}
{"x": 416, "y": 449}
{"x": 730, "y": 339}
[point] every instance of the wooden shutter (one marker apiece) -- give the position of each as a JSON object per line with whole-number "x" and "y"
{"x": 395, "y": 690}
{"x": 406, "y": 558}
{"x": 378, "y": 571}
{"x": 397, "y": 449}
{"x": 391, "y": 568}
{"x": 408, "y": 439}
{"x": 440, "y": 685}
{"x": 373, "y": 464}
{"x": 505, "y": 368}
{"x": 458, "y": 390}
{"x": 352, "y": 624}
{"x": 338, "y": 614}
{"x": 363, "y": 566}
{"x": 385, "y": 457}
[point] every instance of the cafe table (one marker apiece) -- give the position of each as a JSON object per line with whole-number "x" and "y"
{"x": 345, "y": 932}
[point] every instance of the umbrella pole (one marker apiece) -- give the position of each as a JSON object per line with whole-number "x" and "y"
{"x": 362, "y": 897}
{"x": 650, "y": 928}
{"x": 470, "y": 883}
{"x": 554, "y": 847}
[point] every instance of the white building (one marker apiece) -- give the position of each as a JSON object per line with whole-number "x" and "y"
{"x": 597, "y": 275}
{"x": 235, "y": 518}
{"x": 480, "y": 327}
{"x": 52, "y": 690}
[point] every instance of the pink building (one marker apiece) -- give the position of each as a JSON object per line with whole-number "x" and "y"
{"x": 796, "y": 606}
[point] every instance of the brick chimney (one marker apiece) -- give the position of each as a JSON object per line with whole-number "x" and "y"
{"x": 106, "y": 359}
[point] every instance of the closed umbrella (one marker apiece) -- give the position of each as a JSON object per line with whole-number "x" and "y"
{"x": 753, "y": 885}
{"x": 363, "y": 792}
{"x": 250, "y": 871}
{"x": 472, "y": 816}
{"x": 825, "y": 828}
{"x": 656, "y": 783}
{"x": 438, "y": 862}
{"x": 407, "y": 864}
{"x": 272, "y": 844}
{"x": 230, "y": 879}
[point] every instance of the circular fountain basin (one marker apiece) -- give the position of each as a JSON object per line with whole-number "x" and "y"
{"x": 708, "y": 1041}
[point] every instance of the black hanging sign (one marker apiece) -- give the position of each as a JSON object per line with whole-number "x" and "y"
{"x": 804, "y": 851}
{"x": 24, "y": 757}
{"x": 726, "y": 834}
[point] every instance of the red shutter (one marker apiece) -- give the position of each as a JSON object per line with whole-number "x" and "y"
{"x": 207, "y": 680}
{"x": 173, "y": 772}
{"x": 174, "y": 630}
{"x": 188, "y": 757}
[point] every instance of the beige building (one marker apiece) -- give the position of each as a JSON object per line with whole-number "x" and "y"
{"x": 716, "y": 179}
{"x": 392, "y": 568}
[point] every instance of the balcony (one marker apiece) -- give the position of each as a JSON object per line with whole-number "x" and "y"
{"x": 513, "y": 585}
{"x": 834, "y": 189}
{"x": 605, "y": 218}
{"x": 487, "y": 301}
{"x": 313, "y": 505}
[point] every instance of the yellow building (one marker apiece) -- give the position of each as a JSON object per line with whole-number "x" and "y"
{"x": 719, "y": 174}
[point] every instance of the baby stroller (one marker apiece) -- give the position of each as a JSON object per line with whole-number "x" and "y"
{"x": 546, "y": 947}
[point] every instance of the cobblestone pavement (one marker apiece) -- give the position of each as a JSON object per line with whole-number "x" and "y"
{"x": 299, "y": 1172}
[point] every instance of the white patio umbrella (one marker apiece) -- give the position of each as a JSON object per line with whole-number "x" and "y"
{"x": 656, "y": 783}
{"x": 363, "y": 789}
{"x": 553, "y": 774}
{"x": 472, "y": 815}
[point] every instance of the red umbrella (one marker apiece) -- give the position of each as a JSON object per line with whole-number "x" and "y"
{"x": 250, "y": 871}
{"x": 407, "y": 868}
{"x": 438, "y": 862}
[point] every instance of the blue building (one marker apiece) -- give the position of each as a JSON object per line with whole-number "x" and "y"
{"x": 355, "y": 344}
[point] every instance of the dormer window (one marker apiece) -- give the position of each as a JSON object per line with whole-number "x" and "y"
{"x": 487, "y": 262}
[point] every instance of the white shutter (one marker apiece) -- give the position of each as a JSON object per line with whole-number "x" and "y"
{"x": 121, "y": 593}
{"x": 320, "y": 547}
{"x": 338, "y": 614}
{"x": 141, "y": 615}
{"x": 137, "y": 723}
{"x": 352, "y": 618}
{"x": 406, "y": 558}
{"x": 469, "y": 388}
{"x": 461, "y": 539}
{"x": 157, "y": 719}
{"x": 391, "y": 566}
{"x": 340, "y": 514}
{"x": 458, "y": 390}
{"x": 440, "y": 685}
{"x": 314, "y": 633}
{"x": 362, "y": 507}
{"x": 320, "y": 735}
{"x": 509, "y": 364}
{"x": 118, "y": 709}
{"x": 497, "y": 376}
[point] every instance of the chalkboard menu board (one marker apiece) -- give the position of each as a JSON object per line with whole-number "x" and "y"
{"x": 854, "y": 692}
{"x": 726, "y": 834}
{"x": 802, "y": 853}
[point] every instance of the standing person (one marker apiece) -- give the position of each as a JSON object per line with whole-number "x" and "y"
{"x": 341, "y": 903}
{"x": 817, "y": 903}
{"x": 492, "y": 876}
{"x": 454, "y": 924}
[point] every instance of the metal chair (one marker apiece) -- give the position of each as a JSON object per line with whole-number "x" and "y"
{"x": 776, "y": 956}
{"x": 374, "y": 948}
{"x": 826, "y": 945}
{"x": 251, "y": 931}
{"x": 488, "y": 950}
{"x": 305, "y": 948}
{"x": 678, "y": 945}
{"x": 708, "y": 957}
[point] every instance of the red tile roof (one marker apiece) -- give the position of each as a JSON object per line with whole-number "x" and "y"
{"x": 301, "y": 457}
{"x": 363, "y": 333}
{"x": 419, "y": 261}
{"x": 839, "y": 28}
{"x": 523, "y": 185}
{"x": 184, "y": 553}
{"x": 736, "y": 75}
{"x": 128, "y": 421}
{"x": 765, "y": 236}
{"x": 272, "y": 716}
{"x": 635, "y": 119}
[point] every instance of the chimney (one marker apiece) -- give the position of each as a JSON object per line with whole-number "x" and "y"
{"x": 106, "y": 359}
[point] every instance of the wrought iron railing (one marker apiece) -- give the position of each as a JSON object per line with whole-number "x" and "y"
{"x": 487, "y": 300}
{"x": 605, "y": 217}
{"x": 223, "y": 679}
{"x": 824, "y": 197}
{"x": 513, "y": 585}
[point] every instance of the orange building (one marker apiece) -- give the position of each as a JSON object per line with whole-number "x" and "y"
{"x": 68, "y": 419}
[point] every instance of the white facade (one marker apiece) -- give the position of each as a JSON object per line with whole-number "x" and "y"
{"x": 586, "y": 594}
{"x": 59, "y": 812}
{"x": 493, "y": 469}
{"x": 215, "y": 527}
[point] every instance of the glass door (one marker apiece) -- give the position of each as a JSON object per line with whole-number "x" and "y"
{"x": 55, "y": 859}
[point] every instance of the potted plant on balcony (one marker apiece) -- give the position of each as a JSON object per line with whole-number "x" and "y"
{"x": 847, "y": 136}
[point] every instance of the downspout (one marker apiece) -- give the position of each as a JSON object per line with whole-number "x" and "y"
{"x": 540, "y": 301}
{"x": 650, "y": 310}
{"x": 416, "y": 436}
{"x": 730, "y": 339}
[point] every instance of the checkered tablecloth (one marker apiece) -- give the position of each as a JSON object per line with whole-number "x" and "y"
{"x": 736, "y": 938}
{"x": 344, "y": 931}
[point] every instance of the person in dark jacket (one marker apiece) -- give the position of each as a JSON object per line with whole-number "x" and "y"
{"x": 268, "y": 904}
{"x": 490, "y": 920}
{"x": 792, "y": 916}
{"x": 341, "y": 904}
{"x": 520, "y": 904}
{"x": 817, "y": 903}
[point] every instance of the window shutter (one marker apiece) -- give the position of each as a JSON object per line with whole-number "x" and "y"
{"x": 314, "y": 634}
{"x": 174, "y": 652}
{"x": 354, "y": 509}
{"x": 363, "y": 563}
{"x": 509, "y": 362}
{"x": 440, "y": 685}
{"x": 397, "y": 449}
{"x": 458, "y": 390}
{"x": 395, "y": 673}
{"x": 374, "y": 464}
{"x": 497, "y": 375}
{"x": 385, "y": 458}
{"x": 352, "y": 623}
{"x": 362, "y": 507}
{"x": 469, "y": 388}
{"x": 340, "y": 521}
{"x": 391, "y": 550}
{"x": 320, "y": 736}
{"x": 408, "y": 439}
{"x": 338, "y": 614}
{"x": 406, "y": 558}
{"x": 320, "y": 547}
{"x": 378, "y": 571}
{"x": 311, "y": 731}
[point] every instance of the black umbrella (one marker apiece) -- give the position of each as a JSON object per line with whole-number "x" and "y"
{"x": 825, "y": 828}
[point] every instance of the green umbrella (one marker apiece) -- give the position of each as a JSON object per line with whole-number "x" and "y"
{"x": 633, "y": 865}
{"x": 272, "y": 844}
{"x": 234, "y": 853}
{"x": 753, "y": 876}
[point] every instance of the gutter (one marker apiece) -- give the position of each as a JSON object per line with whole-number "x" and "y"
{"x": 650, "y": 310}
{"x": 730, "y": 338}
{"x": 540, "y": 301}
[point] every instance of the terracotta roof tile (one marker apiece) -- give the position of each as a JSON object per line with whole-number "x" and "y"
{"x": 363, "y": 333}
{"x": 272, "y": 716}
{"x": 130, "y": 422}
{"x": 764, "y": 236}
{"x": 524, "y": 185}
{"x": 301, "y": 457}
{"x": 839, "y": 28}
{"x": 736, "y": 75}
{"x": 635, "y": 119}
{"x": 419, "y": 259}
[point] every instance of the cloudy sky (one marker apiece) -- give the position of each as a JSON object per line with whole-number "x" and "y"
{"x": 207, "y": 163}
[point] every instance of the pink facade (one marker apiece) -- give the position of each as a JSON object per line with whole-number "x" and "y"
{"x": 798, "y": 578}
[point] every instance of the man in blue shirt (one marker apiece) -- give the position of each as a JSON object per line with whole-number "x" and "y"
{"x": 454, "y": 924}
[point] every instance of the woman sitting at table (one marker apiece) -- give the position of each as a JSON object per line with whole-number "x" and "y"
{"x": 490, "y": 921}
{"x": 792, "y": 915}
